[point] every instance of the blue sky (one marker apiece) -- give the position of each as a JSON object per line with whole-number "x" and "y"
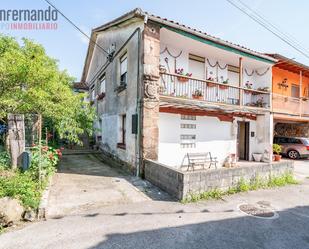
{"x": 217, "y": 18}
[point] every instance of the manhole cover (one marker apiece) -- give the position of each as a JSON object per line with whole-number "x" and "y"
{"x": 258, "y": 211}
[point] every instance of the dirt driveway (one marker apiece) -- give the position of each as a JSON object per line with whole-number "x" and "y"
{"x": 84, "y": 183}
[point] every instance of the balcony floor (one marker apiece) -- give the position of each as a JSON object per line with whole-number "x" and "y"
{"x": 174, "y": 102}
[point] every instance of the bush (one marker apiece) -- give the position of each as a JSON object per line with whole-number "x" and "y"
{"x": 5, "y": 160}
{"x": 28, "y": 186}
{"x": 21, "y": 186}
{"x": 44, "y": 161}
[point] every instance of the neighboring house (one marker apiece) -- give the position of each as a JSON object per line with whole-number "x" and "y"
{"x": 166, "y": 90}
{"x": 290, "y": 97}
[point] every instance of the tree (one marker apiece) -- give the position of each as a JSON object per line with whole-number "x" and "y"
{"x": 31, "y": 82}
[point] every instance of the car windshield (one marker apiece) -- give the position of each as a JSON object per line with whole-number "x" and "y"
{"x": 306, "y": 141}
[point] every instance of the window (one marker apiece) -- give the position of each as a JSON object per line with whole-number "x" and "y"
{"x": 188, "y": 117}
{"x": 188, "y": 126}
{"x": 123, "y": 70}
{"x": 102, "y": 84}
{"x": 197, "y": 66}
{"x": 92, "y": 93}
{"x": 295, "y": 91}
{"x": 187, "y": 145}
{"x": 187, "y": 137}
{"x": 294, "y": 141}
{"x": 123, "y": 121}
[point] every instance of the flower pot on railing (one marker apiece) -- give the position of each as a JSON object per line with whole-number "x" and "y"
{"x": 223, "y": 87}
{"x": 210, "y": 84}
{"x": 182, "y": 79}
{"x": 247, "y": 91}
{"x": 198, "y": 97}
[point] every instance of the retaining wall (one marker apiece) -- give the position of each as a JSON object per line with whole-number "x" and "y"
{"x": 179, "y": 184}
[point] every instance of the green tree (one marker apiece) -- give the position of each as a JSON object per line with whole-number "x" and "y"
{"x": 31, "y": 82}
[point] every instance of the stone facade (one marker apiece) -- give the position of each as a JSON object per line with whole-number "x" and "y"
{"x": 151, "y": 54}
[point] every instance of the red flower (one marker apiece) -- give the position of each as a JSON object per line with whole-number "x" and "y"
{"x": 45, "y": 148}
{"x": 32, "y": 145}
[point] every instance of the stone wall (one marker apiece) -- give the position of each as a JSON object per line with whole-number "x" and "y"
{"x": 180, "y": 184}
{"x": 292, "y": 130}
{"x": 150, "y": 103}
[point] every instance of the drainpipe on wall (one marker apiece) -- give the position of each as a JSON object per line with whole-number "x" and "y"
{"x": 139, "y": 105}
{"x": 139, "y": 97}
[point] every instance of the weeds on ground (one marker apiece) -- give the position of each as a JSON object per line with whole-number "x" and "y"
{"x": 243, "y": 186}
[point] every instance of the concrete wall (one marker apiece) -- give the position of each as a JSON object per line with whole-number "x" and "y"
{"x": 180, "y": 184}
{"x": 212, "y": 135}
{"x": 115, "y": 104}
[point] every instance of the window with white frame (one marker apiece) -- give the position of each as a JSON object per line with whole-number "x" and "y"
{"x": 102, "y": 85}
{"x": 122, "y": 130}
{"x": 123, "y": 70}
{"x": 92, "y": 93}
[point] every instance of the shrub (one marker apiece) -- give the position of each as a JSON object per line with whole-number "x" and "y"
{"x": 5, "y": 160}
{"x": 21, "y": 186}
{"x": 44, "y": 161}
{"x": 27, "y": 186}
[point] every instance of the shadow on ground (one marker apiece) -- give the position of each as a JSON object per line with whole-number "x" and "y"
{"x": 289, "y": 230}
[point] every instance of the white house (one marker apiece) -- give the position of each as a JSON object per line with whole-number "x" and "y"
{"x": 166, "y": 90}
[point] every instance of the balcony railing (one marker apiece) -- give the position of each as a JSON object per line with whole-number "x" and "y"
{"x": 289, "y": 105}
{"x": 204, "y": 90}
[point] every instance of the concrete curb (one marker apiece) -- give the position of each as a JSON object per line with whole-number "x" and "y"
{"x": 42, "y": 210}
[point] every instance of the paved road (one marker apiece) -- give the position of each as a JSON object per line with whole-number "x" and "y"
{"x": 302, "y": 168}
{"x": 158, "y": 223}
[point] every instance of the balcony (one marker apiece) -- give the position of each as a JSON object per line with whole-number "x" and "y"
{"x": 178, "y": 86}
{"x": 289, "y": 105}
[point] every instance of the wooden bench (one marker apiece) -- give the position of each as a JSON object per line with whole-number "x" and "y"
{"x": 201, "y": 159}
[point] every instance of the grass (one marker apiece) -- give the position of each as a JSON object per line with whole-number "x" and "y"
{"x": 243, "y": 186}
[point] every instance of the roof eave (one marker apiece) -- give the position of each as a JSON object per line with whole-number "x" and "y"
{"x": 207, "y": 37}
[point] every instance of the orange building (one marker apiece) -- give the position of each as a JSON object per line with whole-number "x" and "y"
{"x": 290, "y": 97}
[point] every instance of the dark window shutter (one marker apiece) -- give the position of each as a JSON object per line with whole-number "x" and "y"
{"x": 134, "y": 124}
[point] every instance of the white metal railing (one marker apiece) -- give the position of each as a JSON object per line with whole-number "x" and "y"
{"x": 204, "y": 90}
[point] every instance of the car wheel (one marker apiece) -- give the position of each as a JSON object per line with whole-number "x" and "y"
{"x": 293, "y": 154}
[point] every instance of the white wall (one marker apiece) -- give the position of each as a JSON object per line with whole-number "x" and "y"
{"x": 212, "y": 135}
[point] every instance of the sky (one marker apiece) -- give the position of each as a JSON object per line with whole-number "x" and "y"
{"x": 218, "y": 18}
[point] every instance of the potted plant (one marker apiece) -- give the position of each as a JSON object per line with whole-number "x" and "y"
{"x": 211, "y": 78}
{"x": 225, "y": 82}
{"x": 248, "y": 85}
{"x": 197, "y": 94}
{"x": 162, "y": 69}
{"x": 180, "y": 78}
{"x": 260, "y": 102}
{"x": 264, "y": 89}
{"x": 277, "y": 150}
